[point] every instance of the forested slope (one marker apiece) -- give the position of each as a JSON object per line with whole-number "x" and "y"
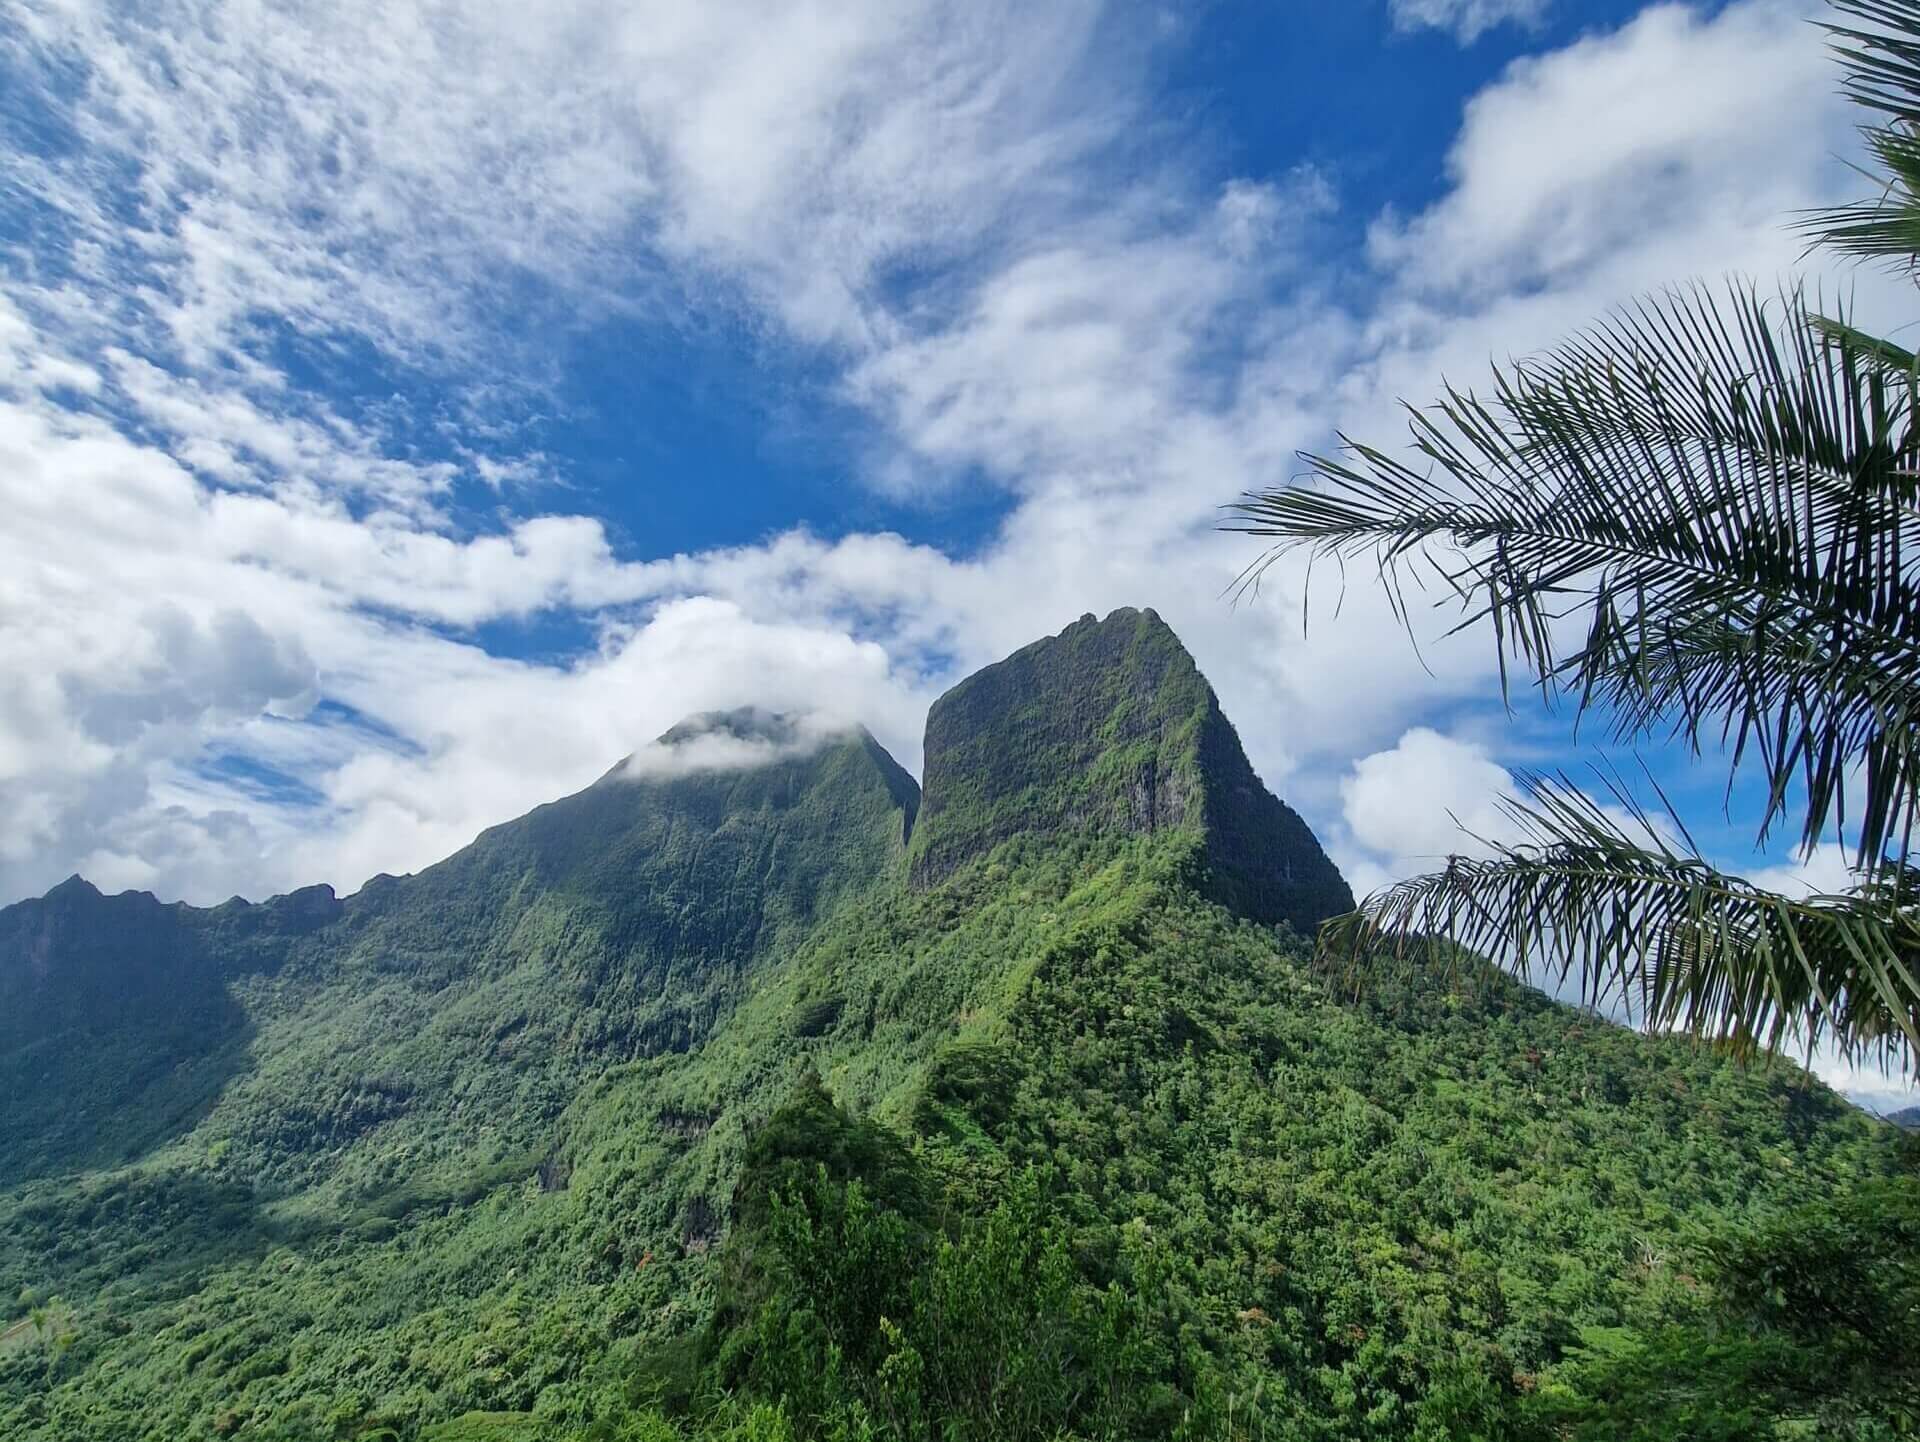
{"x": 717, "y": 1104}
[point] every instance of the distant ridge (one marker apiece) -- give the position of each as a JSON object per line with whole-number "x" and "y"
{"x": 611, "y": 923}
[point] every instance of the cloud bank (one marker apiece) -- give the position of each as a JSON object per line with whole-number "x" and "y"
{"x": 734, "y": 741}
{"x": 253, "y": 610}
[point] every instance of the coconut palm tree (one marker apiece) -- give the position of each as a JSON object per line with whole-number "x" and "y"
{"x": 1699, "y": 520}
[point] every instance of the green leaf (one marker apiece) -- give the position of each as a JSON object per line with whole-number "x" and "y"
{"x": 1880, "y": 56}
{"x": 1700, "y": 518}
{"x": 1606, "y": 899}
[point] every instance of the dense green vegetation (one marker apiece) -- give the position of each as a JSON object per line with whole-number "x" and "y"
{"x": 457, "y": 1008}
{"x": 680, "y": 1110}
{"x": 1109, "y": 728}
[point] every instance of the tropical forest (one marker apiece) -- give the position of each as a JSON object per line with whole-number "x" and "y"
{"x": 1067, "y": 1086}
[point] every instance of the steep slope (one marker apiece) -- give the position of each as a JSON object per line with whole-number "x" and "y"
{"x": 1343, "y": 1215}
{"x": 117, "y": 1022}
{"x": 1110, "y": 728}
{"x": 456, "y": 1007}
{"x": 483, "y": 1147}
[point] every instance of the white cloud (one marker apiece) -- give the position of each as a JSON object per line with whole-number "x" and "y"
{"x": 771, "y": 736}
{"x": 1596, "y": 159}
{"x": 1467, "y": 19}
{"x": 1084, "y": 359}
{"x": 1826, "y": 871}
{"x": 1426, "y": 798}
{"x": 401, "y": 173}
{"x": 1866, "y": 1085}
{"x": 1119, "y": 357}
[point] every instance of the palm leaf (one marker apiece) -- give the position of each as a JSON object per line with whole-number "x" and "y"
{"x": 1636, "y": 919}
{"x": 1699, "y": 517}
{"x": 1880, "y": 56}
{"x": 1876, "y": 347}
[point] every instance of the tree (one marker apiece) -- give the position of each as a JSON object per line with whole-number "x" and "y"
{"x": 1700, "y": 519}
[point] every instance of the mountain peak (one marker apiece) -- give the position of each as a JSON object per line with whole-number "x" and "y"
{"x": 1110, "y": 727}
{"x": 743, "y": 738}
{"x": 742, "y": 723}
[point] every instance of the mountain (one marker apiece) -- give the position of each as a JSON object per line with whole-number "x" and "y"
{"x": 1110, "y": 729}
{"x": 1908, "y": 1118}
{"x": 617, "y": 922}
{"x": 754, "y": 1091}
{"x": 116, "y": 1016}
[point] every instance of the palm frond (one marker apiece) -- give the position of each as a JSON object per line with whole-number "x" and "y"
{"x": 1875, "y": 347}
{"x": 1637, "y": 919}
{"x": 1880, "y": 55}
{"x": 1733, "y": 658}
{"x": 1700, "y": 515}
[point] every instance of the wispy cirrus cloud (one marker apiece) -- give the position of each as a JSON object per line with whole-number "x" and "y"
{"x": 1467, "y": 19}
{"x": 927, "y": 201}
{"x": 403, "y": 173}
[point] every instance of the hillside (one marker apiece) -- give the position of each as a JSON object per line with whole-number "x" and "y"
{"x": 1068, "y": 1136}
{"x": 459, "y": 1007}
{"x": 1109, "y": 729}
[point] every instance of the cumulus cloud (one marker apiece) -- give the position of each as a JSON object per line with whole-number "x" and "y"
{"x": 177, "y": 669}
{"x": 1827, "y": 870}
{"x": 1117, "y": 358}
{"x": 1427, "y": 797}
{"x": 1664, "y": 142}
{"x": 1467, "y": 19}
{"x": 734, "y": 741}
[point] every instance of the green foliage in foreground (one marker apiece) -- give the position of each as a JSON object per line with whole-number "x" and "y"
{"x": 1105, "y": 1160}
{"x": 873, "y": 1326}
{"x": 845, "y": 1315}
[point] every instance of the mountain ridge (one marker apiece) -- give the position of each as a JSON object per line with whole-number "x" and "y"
{"x": 646, "y": 900}
{"x": 1181, "y": 752}
{"x": 463, "y": 1154}
{"x": 644, "y": 894}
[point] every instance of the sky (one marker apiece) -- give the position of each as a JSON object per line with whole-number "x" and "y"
{"x": 407, "y": 410}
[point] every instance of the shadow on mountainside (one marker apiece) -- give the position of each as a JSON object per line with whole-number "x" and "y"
{"x": 120, "y": 1026}
{"x": 149, "y": 1227}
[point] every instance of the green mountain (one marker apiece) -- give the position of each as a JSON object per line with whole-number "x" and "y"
{"x": 452, "y": 1007}
{"x": 751, "y": 1092}
{"x": 1109, "y": 729}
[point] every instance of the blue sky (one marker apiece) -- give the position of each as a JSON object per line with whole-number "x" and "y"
{"x": 405, "y": 411}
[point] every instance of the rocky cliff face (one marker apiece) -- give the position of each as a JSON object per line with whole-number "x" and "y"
{"x": 627, "y": 920}
{"x": 1110, "y": 727}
